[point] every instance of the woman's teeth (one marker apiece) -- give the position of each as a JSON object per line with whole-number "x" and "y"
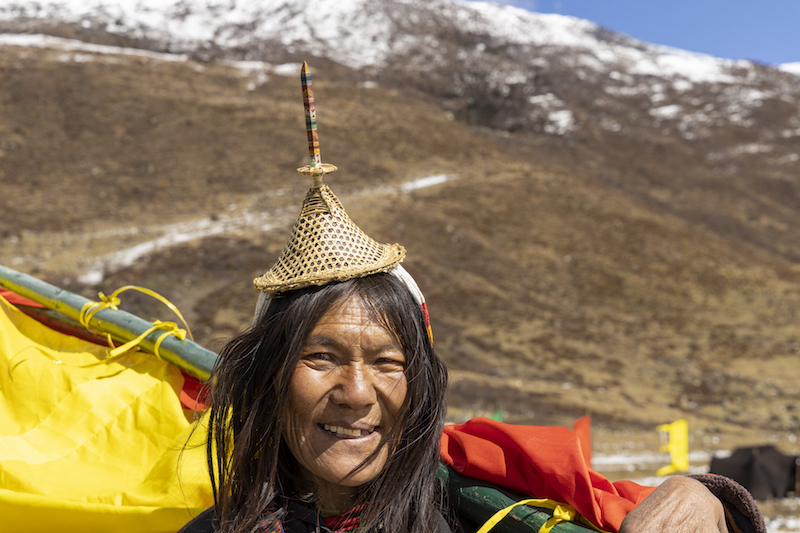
{"x": 344, "y": 432}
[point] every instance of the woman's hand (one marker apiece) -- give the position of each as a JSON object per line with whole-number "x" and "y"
{"x": 679, "y": 505}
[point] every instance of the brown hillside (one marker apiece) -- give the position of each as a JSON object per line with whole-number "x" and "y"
{"x": 625, "y": 275}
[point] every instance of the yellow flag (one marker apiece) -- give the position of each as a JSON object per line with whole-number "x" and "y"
{"x": 90, "y": 442}
{"x": 677, "y": 446}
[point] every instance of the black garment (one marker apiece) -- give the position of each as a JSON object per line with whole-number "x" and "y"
{"x": 202, "y": 523}
{"x": 741, "y": 511}
{"x": 299, "y": 519}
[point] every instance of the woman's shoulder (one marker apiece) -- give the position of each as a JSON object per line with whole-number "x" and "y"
{"x": 202, "y": 523}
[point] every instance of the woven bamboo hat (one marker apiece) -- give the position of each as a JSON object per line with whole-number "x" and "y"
{"x": 325, "y": 244}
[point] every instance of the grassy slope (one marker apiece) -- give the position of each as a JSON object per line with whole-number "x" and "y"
{"x": 605, "y": 274}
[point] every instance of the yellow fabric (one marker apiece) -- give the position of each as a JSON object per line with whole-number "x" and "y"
{"x": 561, "y": 513}
{"x": 89, "y": 442}
{"x": 677, "y": 446}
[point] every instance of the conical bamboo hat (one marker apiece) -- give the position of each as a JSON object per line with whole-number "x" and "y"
{"x": 326, "y": 246}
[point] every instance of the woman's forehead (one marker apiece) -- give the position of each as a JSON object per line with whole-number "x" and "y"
{"x": 351, "y": 310}
{"x": 353, "y": 313}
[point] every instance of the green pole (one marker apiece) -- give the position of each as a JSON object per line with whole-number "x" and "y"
{"x": 478, "y": 501}
{"x": 121, "y": 325}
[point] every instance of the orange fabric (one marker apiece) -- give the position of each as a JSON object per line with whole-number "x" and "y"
{"x": 545, "y": 462}
{"x": 583, "y": 430}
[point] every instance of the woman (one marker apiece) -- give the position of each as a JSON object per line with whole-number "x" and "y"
{"x": 333, "y": 399}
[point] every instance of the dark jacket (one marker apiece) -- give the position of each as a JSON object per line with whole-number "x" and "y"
{"x": 300, "y": 519}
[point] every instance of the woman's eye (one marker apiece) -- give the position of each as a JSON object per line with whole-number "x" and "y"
{"x": 389, "y": 362}
{"x": 321, "y": 356}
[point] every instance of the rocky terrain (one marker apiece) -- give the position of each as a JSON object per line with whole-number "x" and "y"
{"x": 601, "y": 226}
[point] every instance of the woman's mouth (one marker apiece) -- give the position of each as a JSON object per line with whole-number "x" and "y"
{"x": 346, "y": 433}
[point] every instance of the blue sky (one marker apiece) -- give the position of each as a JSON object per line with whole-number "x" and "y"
{"x": 767, "y": 31}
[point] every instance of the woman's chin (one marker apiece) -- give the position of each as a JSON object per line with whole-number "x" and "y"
{"x": 338, "y": 472}
{"x": 339, "y": 461}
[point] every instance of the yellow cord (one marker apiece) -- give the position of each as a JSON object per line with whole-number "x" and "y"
{"x": 171, "y": 327}
{"x": 111, "y": 302}
{"x": 561, "y": 513}
{"x": 89, "y": 309}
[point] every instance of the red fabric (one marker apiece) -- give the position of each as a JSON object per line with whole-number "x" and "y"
{"x": 543, "y": 462}
{"x": 193, "y": 395}
{"x": 15, "y": 299}
{"x": 583, "y": 430}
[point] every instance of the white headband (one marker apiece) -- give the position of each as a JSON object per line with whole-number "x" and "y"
{"x": 397, "y": 271}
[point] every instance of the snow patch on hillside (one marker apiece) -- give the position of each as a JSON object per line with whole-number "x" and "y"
{"x": 58, "y": 43}
{"x": 783, "y": 525}
{"x": 424, "y": 182}
{"x": 791, "y": 68}
{"x": 167, "y": 236}
{"x": 255, "y": 68}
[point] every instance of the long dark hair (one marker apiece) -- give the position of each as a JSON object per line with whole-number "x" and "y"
{"x": 249, "y": 462}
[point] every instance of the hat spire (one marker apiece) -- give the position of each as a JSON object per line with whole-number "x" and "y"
{"x": 315, "y": 167}
{"x": 325, "y": 244}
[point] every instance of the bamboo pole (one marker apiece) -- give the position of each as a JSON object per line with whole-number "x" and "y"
{"x": 121, "y": 325}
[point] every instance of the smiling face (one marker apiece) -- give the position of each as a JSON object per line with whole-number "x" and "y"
{"x": 346, "y": 392}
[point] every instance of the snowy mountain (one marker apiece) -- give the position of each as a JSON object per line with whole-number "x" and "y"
{"x": 368, "y": 33}
{"x": 498, "y": 66}
{"x": 793, "y": 68}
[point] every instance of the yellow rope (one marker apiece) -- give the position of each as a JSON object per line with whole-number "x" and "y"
{"x": 111, "y": 302}
{"x": 90, "y": 309}
{"x": 171, "y": 327}
{"x": 561, "y": 513}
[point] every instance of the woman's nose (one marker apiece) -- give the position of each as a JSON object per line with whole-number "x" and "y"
{"x": 356, "y": 389}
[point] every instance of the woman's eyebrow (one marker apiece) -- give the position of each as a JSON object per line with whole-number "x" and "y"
{"x": 320, "y": 340}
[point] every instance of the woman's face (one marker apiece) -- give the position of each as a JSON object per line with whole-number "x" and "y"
{"x": 344, "y": 396}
